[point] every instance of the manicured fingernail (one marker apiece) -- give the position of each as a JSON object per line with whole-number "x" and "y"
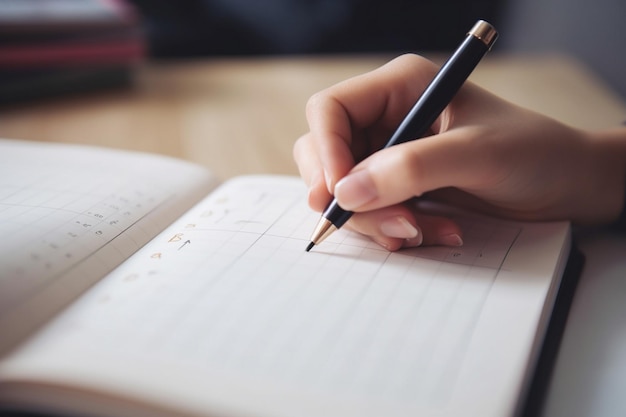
{"x": 450, "y": 240}
{"x": 355, "y": 190}
{"x": 398, "y": 226}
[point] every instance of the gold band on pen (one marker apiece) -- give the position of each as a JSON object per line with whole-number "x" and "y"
{"x": 484, "y": 32}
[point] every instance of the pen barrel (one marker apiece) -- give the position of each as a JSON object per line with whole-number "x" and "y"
{"x": 434, "y": 99}
{"x": 440, "y": 91}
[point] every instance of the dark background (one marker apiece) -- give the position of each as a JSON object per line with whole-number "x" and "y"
{"x": 238, "y": 27}
{"x": 593, "y": 31}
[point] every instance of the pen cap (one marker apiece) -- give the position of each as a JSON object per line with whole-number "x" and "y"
{"x": 484, "y": 32}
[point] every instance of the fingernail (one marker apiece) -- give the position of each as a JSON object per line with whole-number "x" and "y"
{"x": 399, "y": 227}
{"x": 355, "y": 190}
{"x": 450, "y": 240}
{"x": 413, "y": 242}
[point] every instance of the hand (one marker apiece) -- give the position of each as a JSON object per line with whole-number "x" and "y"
{"x": 482, "y": 153}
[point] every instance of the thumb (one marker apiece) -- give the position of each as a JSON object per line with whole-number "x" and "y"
{"x": 393, "y": 175}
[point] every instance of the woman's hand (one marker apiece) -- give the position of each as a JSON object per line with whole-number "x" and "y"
{"x": 482, "y": 153}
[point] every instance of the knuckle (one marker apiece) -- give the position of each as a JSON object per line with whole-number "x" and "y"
{"x": 417, "y": 62}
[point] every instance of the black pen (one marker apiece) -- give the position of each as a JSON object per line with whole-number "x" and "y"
{"x": 425, "y": 111}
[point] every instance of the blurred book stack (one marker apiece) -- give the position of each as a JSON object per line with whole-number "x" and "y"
{"x": 53, "y": 47}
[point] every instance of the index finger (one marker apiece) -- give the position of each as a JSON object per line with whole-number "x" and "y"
{"x": 376, "y": 101}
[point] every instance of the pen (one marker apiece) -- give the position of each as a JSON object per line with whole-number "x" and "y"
{"x": 424, "y": 112}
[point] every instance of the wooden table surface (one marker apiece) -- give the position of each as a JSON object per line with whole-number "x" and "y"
{"x": 239, "y": 116}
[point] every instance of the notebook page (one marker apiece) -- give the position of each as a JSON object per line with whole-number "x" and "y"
{"x": 71, "y": 211}
{"x": 228, "y": 305}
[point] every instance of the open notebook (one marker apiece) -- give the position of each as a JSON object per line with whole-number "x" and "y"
{"x": 130, "y": 288}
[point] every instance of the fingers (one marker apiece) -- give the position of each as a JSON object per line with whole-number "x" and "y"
{"x": 392, "y": 227}
{"x": 354, "y": 118}
{"x": 409, "y": 170}
{"x": 330, "y": 137}
{"x": 311, "y": 172}
{"x": 400, "y": 226}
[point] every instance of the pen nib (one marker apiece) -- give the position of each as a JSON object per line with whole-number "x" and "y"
{"x": 308, "y": 248}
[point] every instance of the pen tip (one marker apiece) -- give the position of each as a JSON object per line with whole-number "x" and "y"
{"x": 308, "y": 248}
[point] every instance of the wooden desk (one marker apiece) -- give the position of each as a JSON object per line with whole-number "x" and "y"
{"x": 242, "y": 116}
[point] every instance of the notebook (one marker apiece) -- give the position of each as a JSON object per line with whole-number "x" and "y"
{"x": 136, "y": 284}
